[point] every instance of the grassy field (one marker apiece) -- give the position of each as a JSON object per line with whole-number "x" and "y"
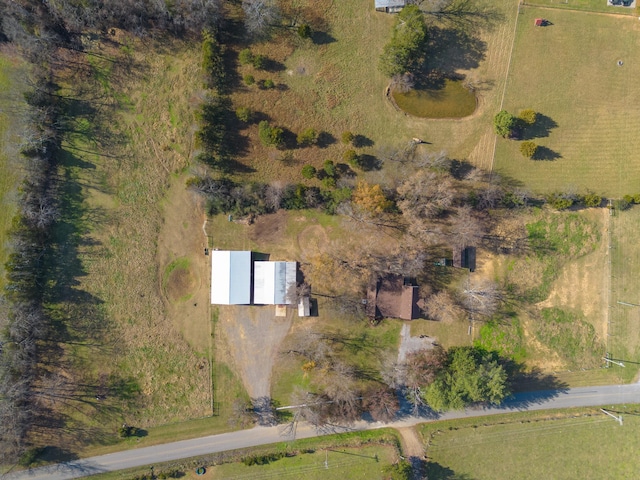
{"x": 624, "y": 329}
{"x": 334, "y": 85}
{"x": 564, "y": 445}
{"x": 584, "y": 5}
{"x": 568, "y": 72}
{"x": 11, "y": 106}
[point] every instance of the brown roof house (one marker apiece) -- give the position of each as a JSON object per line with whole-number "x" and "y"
{"x": 392, "y": 296}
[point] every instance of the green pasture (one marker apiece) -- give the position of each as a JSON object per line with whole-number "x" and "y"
{"x": 624, "y": 327}
{"x": 585, "y": 5}
{"x": 569, "y": 73}
{"x": 585, "y": 445}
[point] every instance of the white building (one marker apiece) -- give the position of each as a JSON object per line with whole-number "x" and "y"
{"x": 230, "y": 277}
{"x": 272, "y": 281}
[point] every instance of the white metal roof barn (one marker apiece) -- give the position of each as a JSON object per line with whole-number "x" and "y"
{"x": 272, "y": 281}
{"x": 230, "y": 277}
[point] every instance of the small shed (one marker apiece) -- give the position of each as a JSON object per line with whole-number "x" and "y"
{"x": 304, "y": 307}
{"x": 540, "y": 22}
{"x": 464, "y": 257}
{"x": 390, "y": 6}
{"x": 230, "y": 277}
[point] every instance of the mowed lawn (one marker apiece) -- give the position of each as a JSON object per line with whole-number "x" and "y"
{"x": 593, "y": 447}
{"x": 568, "y": 72}
{"x": 624, "y": 330}
{"x": 587, "y": 5}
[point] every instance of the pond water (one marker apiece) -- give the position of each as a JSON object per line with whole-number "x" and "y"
{"x": 450, "y": 101}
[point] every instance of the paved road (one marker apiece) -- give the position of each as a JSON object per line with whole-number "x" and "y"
{"x": 575, "y": 397}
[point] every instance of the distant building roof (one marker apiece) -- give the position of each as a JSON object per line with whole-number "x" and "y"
{"x": 464, "y": 257}
{"x": 390, "y": 3}
{"x": 390, "y": 297}
{"x": 230, "y": 277}
{"x": 272, "y": 281}
{"x": 539, "y": 22}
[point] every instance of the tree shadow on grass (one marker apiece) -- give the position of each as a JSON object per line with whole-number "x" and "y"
{"x": 451, "y": 50}
{"x": 435, "y": 471}
{"x": 360, "y": 141}
{"x": 545, "y": 154}
{"x": 325, "y": 139}
{"x": 369, "y": 163}
{"x": 322, "y": 38}
{"x": 541, "y": 128}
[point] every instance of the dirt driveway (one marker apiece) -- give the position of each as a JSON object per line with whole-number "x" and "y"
{"x": 253, "y": 336}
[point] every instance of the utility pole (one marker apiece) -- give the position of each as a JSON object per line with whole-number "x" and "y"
{"x": 617, "y": 419}
{"x": 608, "y": 360}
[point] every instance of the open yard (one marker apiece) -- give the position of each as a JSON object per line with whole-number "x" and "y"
{"x": 569, "y": 73}
{"x": 11, "y": 119}
{"x": 588, "y": 447}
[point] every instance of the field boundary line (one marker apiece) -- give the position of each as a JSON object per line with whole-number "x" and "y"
{"x": 506, "y": 80}
{"x": 570, "y": 9}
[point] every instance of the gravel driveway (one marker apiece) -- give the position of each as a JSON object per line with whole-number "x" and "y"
{"x": 253, "y": 336}
{"x": 409, "y": 344}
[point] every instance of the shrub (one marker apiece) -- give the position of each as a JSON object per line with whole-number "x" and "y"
{"x": 245, "y": 57}
{"x": 528, "y": 149}
{"x": 244, "y": 114}
{"x": 347, "y": 137}
{"x": 30, "y": 456}
{"x": 259, "y": 61}
{"x": 268, "y": 84}
{"x": 329, "y": 182}
{"x": 592, "y": 200}
{"x": 621, "y": 204}
{"x": 528, "y": 116}
{"x": 126, "y": 431}
{"x": 308, "y": 137}
{"x": 503, "y": 123}
{"x": 309, "y": 171}
{"x": 628, "y": 199}
{"x": 249, "y": 79}
{"x": 351, "y": 157}
{"x": 330, "y": 169}
{"x": 270, "y": 136}
{"x": 304, "y": 31}
{"x": 636, "y": 198}
{"x": 559, "y": 201}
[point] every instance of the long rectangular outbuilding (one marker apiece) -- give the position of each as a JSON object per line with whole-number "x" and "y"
{"x": 230, "y": 277}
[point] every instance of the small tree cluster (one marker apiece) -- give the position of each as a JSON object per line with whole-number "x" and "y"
{"x": 560, "y": 201}
{"x": 406, "y": 50}
{"x": 504, "y": 123}
{"x": 307, "y": 137}
{"x": 270, "y": 136}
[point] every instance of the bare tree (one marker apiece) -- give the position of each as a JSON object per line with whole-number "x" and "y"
{"x": 480, "y": 296}
{"x": 242, "y": 414}
{"x": 442, "y": 307}
{"x": 260, "y": 15}
{"x": 425, "y": 195}
{"x": 402, "y": 83}
{"x": 381, "y": 402}
{"x": 466, "y": 229}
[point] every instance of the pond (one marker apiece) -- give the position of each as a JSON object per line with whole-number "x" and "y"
{"x": 450, "y": 101}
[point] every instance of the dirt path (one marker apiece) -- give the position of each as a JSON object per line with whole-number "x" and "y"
{"x": 253, "y": 336}
{"x": 413, "y": 450}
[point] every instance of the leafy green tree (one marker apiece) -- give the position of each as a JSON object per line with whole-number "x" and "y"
{"x": 245, "y": 57}
{"x": 503, "y": 123}
{"x": 351, "y": 157}
{"x": 330, "y": 169}
{"x": 259, "y": 61}
{"x": 270, "y": 136}
{"x": 528, "y": 149}
{"x": 560, "y": 201}
{"x": 528, "y": 116}
{"x": 309, "y": 171}
{"x": 307, "y": 137}
{"x": 249, "y": 79}
{"x": 304, "y": 31}
{"x": 212, "y": 61}
{"x": 406, "y": 49}
{"x": 592, "y": 200}
{"x": 244, "y": 114}
{"x": 347, "y": 137}
{"x": 268, "y": 84}
{"x": 398, "y": 471}
{"x": 471, "y": 375}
